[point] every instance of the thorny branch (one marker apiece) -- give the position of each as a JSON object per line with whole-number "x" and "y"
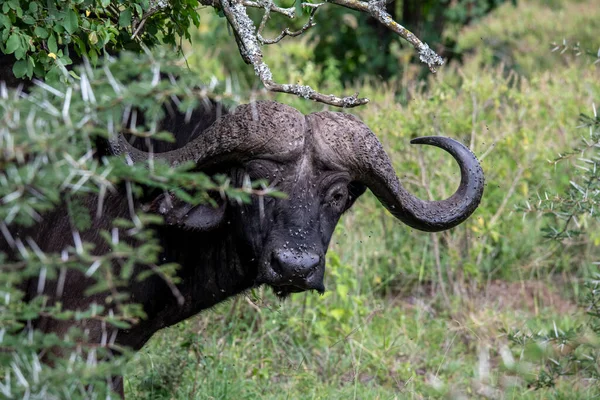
{"x": 249, "y": 40}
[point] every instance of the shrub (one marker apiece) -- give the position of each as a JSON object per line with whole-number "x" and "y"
{"x": 49, "y": 159}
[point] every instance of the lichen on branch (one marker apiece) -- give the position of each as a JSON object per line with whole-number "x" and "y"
{"x": 249, "y": 39}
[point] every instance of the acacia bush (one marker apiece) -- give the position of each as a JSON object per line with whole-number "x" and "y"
{"x": 49, "y": 158}
{"x": 573, "y": 350}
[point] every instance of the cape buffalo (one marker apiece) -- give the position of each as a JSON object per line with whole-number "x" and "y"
{"x": 322, "y": 161}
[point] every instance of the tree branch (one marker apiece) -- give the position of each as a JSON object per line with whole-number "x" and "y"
{"x": 249, "y": 46}
{"x": 288, "y": 12}
{"x": 376, "y": 8}
{"x": 286, "y": 31}
{"x": 249, "y": 40}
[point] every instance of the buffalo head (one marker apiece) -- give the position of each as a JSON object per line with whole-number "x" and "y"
{"x": 323, "y": 162}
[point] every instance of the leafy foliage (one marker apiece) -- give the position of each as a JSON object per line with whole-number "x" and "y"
{"x": 577, "y": 208}
{"x": 555, "y": 353}
{"x": 46, "y": 36}
{"x": 48, "y": 159}
{"x": 575, "y": 350}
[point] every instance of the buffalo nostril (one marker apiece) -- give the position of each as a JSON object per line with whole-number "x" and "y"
{"x": 295, "y": 264}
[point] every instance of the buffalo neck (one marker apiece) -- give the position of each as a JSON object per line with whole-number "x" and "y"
{"x": 212, "y": 269}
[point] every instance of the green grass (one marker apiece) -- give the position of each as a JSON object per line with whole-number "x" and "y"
{"x": 405, "y": 347}
{"x": 411, "y": 315}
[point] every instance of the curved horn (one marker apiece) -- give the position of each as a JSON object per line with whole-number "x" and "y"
{"x": 350, "y": 143}
{"x": 263, "y": 127}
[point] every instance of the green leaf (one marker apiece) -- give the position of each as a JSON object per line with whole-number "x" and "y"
{"x": 80, "y": 48}
{"x": 71, "y": 21}
{"x": 342, "y": 290}
{"x": 125, "y": 18}
{"x": 93, "y": 55}
{"x": 5, "y": 21}
{"x": 33, "y": 7}
{"x": 20, "y": 68}
{"x": 28, "y": 19}
{"x": 53, "y": 74}
{"x": 40, "y": 32}
{"x": 278, "y": 195}
{"x": 30, "y": 66}
{"x": 13, "y": 43}
{"x": 165, "y": 136}
{"x": 93, "y": 37}
{"x": 66, "y": 60}
{"x": 118, "y": 324}
{"x": 52, "y": 46}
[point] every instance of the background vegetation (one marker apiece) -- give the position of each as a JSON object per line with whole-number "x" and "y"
{"x": 491, "y": 309}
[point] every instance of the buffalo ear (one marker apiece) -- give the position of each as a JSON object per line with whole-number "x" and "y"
{"x": 203, "y": 217}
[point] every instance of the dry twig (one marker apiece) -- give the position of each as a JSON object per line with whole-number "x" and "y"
{"x": 249, "y": 40}
{"x": 249, "y": 46}
{"x": 286, "y": 32}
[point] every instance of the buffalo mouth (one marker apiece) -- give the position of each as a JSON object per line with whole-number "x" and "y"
{"x": 284, "y": 291}
{"x": 313, "y": 282}
{"x": 292, "y": 272}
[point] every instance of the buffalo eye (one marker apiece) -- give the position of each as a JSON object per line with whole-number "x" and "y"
{"x": 337, "y": 197}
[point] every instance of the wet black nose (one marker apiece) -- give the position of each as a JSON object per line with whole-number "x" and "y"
{"x": 295, "y": 268}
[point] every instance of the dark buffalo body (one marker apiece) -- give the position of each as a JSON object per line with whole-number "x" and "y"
{"x": 322, "y": 161}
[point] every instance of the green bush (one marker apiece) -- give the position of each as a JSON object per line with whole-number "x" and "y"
{"x": 48, "y": 160}
{"x": 45, "y": 36}
{"x": 574, "y": 350}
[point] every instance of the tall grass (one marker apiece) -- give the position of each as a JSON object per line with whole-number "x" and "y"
{"x": 409, "y": 314}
